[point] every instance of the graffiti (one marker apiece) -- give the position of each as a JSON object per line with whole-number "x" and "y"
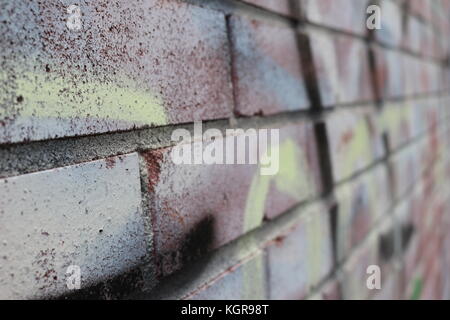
{"x": 290, "y": 179}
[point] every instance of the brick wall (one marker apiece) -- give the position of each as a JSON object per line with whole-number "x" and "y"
{"x": 86, "y": 176}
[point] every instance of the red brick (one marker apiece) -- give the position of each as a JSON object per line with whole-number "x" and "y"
{"x": 342, "y": 68}
{"x": 355, "y": 271}
{"x": 389, "y": 72}
{"x": 301, "y": 257}
{"x": 133, "y": 65}
{"x": 355, "y": 142}
{"x": 345, "y": 15}
{"x": 391, "y": 30}
{"x": 196, "y": 208}
{"x": 421, "y": 8}
{"x": 267, "y": 72}
{"x": 361, "y": 204}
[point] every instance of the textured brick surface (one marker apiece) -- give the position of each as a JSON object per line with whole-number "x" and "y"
{"x": 390, "y": 73}
{"x": 153, "y": 63}
{"x": 355, "y": 141}
{"x": 390, "y": 32}
{"x": 345, "y": 15}
{"x": 70, "y": 216}
{"x": 355, "y": 276}
{"x": 299, "y": 259}
{"x": 196, "y": 208}
{"x": 246, "y": 281}
{"x": 361, "y": 203}
{"x": 267, "y": 73}
{"x": 342, "y": 68}
{"x": 87, "y": 135}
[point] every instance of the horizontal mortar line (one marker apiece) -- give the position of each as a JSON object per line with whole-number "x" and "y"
{"x": 236, "y": 7}
{"x": 28, "y": 157}
{"x": 36, "y": 156}
{"x": 309, "y": 112}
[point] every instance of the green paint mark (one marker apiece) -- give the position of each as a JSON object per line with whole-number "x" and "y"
{"x": 56, "y": 97}
{"x": 417, "y": 291}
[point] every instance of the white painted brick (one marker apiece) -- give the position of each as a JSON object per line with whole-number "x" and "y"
{"x": 88, "y": 215}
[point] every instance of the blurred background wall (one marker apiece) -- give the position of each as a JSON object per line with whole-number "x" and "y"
{"x": 91, "y": 94}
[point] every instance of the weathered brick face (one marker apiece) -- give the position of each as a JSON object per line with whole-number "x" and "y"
{"x": 154, "y": 63}
{"x": 268, "y": 76}
{"x": 88, "y": 176}
{"x": 196, "y": 207}
{"x": 70, "y": 216}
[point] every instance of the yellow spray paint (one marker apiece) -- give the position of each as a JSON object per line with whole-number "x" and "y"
{"x": 45, "y": 96}
{"x": 291, "y": 179}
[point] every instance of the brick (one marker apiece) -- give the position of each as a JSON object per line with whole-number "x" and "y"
{"x": 421, "y": 8}
{"x": 389, "y": 71}
{"x": 414, "y": 33}
{"x": 246, "y": 281}
{"x": 361, "y": 203}
{"x": 426, "y": 71}
{"x": 354, "y": 271}
{"x": 342, "y": 68}
{"x": 268, "y": 77}
{"x": 391, "y": 30}
{"x": 301, "y": 257}
{"x": 354, "y": 141}
{"x": 407, "y": 168}
{"x": 197, "y": 208}
{"x": 404, "y": 121}
{"x": 345, "y": 15}
{"x": 325, "y": 65}
{"x": 353, "y": 69}
{"x": 87, "y": 215}
{"x": 132, "y": 66}
{"x": 377, "y": 249}
{"x": 284, "y": 7}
